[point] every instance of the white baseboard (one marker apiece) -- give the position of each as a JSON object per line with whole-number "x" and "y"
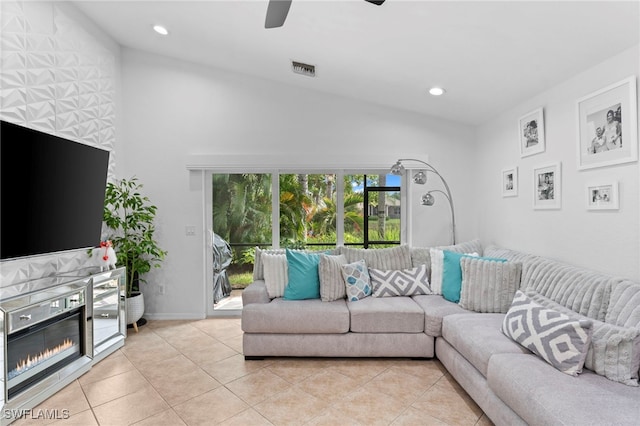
{"x": 174, "y": 316}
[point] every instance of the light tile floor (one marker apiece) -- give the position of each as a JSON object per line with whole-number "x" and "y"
{"x": 193, "y": 373}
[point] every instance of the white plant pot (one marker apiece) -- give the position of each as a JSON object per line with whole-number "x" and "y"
{"x": 135, "y": 308}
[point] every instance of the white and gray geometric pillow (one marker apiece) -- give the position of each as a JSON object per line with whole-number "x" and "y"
{"x": 404, "y": 282}
{"x": 275, "y": 273}
{"x": 614, "y": 351}
{"x": 555, "y": 337}
{"x": 332, "y": 286}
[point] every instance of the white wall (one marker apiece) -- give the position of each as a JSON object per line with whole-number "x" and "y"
{"x": 173, "y": 109}
{"x": 607, "y": 241}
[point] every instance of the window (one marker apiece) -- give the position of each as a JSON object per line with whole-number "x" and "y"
{"x": 313, "y": 210}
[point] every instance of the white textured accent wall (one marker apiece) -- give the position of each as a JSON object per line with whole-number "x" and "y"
{"x": 56, "y": 77}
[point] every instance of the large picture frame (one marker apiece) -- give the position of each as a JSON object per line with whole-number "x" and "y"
{"x": 531, "y": 133}
{"x": 603, "y": 196}
{"x": 547, "y": 186}
{"x": 608, "y": 126}
{"x": 510, "y": 182}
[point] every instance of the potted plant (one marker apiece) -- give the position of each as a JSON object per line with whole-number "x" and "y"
{"x": 130, "y": 218}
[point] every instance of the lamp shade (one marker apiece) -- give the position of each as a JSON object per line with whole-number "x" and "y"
{"x": 397, "y": 169}
{"x": 427, "y": 199}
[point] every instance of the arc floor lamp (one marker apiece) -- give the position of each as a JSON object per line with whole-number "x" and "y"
{"x": 421, "y": 178}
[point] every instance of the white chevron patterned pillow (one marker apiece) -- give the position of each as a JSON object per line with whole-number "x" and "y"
{"x": 553, "y": 336}
{"x": 403, "y": 282}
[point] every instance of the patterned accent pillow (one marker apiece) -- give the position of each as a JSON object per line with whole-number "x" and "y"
{"x": 275, "y": 273}
{"x": 404, "y": 282}
{"x": 357, "y": 280}
{"x": 553, "y": 336}
{"x": 614, "y": 351}
{"x": 488, "y": 286}
{"x": 332, "y": 286}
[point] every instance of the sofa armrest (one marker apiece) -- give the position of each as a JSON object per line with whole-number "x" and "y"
{"x": 256, "y": 292}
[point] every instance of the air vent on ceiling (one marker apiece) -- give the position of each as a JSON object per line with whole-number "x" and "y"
{"x": 304, "y": 69}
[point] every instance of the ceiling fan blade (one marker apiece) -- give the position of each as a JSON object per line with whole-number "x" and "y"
{"x": 277, "y": 11}
{"x": 376, "y": 2}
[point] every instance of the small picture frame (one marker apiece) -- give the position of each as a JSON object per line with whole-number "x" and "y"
{"x": 547, "y": 186}
{"x": 531, "y": 133}
{"x": 608, "y": 126}
{"x": 603, "y": 196}
{"x": 510, "y": 182}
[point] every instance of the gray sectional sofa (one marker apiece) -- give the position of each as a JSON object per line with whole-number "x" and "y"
{"x": 510, "y": 383}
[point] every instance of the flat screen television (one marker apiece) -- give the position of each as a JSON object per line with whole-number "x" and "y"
{"x": 51, "y": 193}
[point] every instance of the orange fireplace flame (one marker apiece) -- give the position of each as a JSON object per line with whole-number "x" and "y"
{"x": 32, "y": 360}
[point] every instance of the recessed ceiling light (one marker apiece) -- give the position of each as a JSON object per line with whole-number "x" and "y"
{"x": 160, "y": 30}
{"x": 436, "y": 91}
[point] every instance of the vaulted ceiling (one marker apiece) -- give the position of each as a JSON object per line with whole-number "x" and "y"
{"x": 488, "y": 55}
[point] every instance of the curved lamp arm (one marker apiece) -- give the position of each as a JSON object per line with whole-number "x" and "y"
{"x": 398, "y": 169}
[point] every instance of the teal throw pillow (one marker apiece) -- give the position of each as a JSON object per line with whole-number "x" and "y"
{"x": 304, "y": 281}
{"x": 452, "y": 274}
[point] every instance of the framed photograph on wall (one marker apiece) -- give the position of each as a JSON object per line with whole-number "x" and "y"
{"x": 603, "y": 196}
{"x": 531, "y": 131}
{"x": 608, "y": 126}
{"x": 510, "y": 182}
{"x": 547, "y": 186}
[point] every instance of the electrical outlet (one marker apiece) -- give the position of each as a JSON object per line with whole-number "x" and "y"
{"x": 190, "y": 231}
{"x": 161, "y": 289}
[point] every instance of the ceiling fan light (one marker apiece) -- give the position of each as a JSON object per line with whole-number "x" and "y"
{"x": 437, "y": 91}
{"x": 160, "y": 30}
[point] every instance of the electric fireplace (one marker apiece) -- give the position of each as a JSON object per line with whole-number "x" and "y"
{"x": 47, "y": 339}
{"x": 37, "y": 351}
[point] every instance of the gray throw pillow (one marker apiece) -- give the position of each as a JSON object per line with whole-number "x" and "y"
{"x": 553, "y": 336}
{"x": 488, "y": 286}
{"x": 404, "y": 282}
{"x": 332, "y": 286}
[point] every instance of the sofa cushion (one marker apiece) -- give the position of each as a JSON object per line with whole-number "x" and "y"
{"x": 614, "y": 351}
{"x": 452, "y": 274}
{"x": 560, "y": 340}
{"x": 385, "y": 258}
{"x": 477, "y": 337}
{"x": 542, "y": 395}
{"x": 386, "y": 315}
{"x": 435, "y": 308}
{"x": 275, "y": 273}
{"x": 403, "y": 282}
{"x": 357, "y": 281}
{"x": 624, "y": 305}
{"x": 304, "y": 281}
{"x": 296, "y": 316}
{"x": 332, "y": 286}
{"x": 487, "y": 285}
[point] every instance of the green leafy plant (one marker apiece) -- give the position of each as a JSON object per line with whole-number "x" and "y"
{"x": 130, "y": 218}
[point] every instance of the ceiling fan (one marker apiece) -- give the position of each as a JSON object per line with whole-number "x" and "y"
{"x": 277, "y": 11}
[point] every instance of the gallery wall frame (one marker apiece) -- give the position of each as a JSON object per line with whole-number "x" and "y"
{"x": 603, "y": 195}
{"x": 531, "y": 133}
{"x": 608, "y": 126}
{"x": 510, "y": 182}
{"x": 547, "y": 186}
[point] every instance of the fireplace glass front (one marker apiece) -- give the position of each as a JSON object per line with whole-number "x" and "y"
{"x": 42, "y": 349}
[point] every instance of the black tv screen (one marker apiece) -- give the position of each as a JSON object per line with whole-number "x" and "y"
{"x": 51, "y": 193}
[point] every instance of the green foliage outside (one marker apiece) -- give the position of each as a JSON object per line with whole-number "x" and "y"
{"x": 308, "y": 214}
